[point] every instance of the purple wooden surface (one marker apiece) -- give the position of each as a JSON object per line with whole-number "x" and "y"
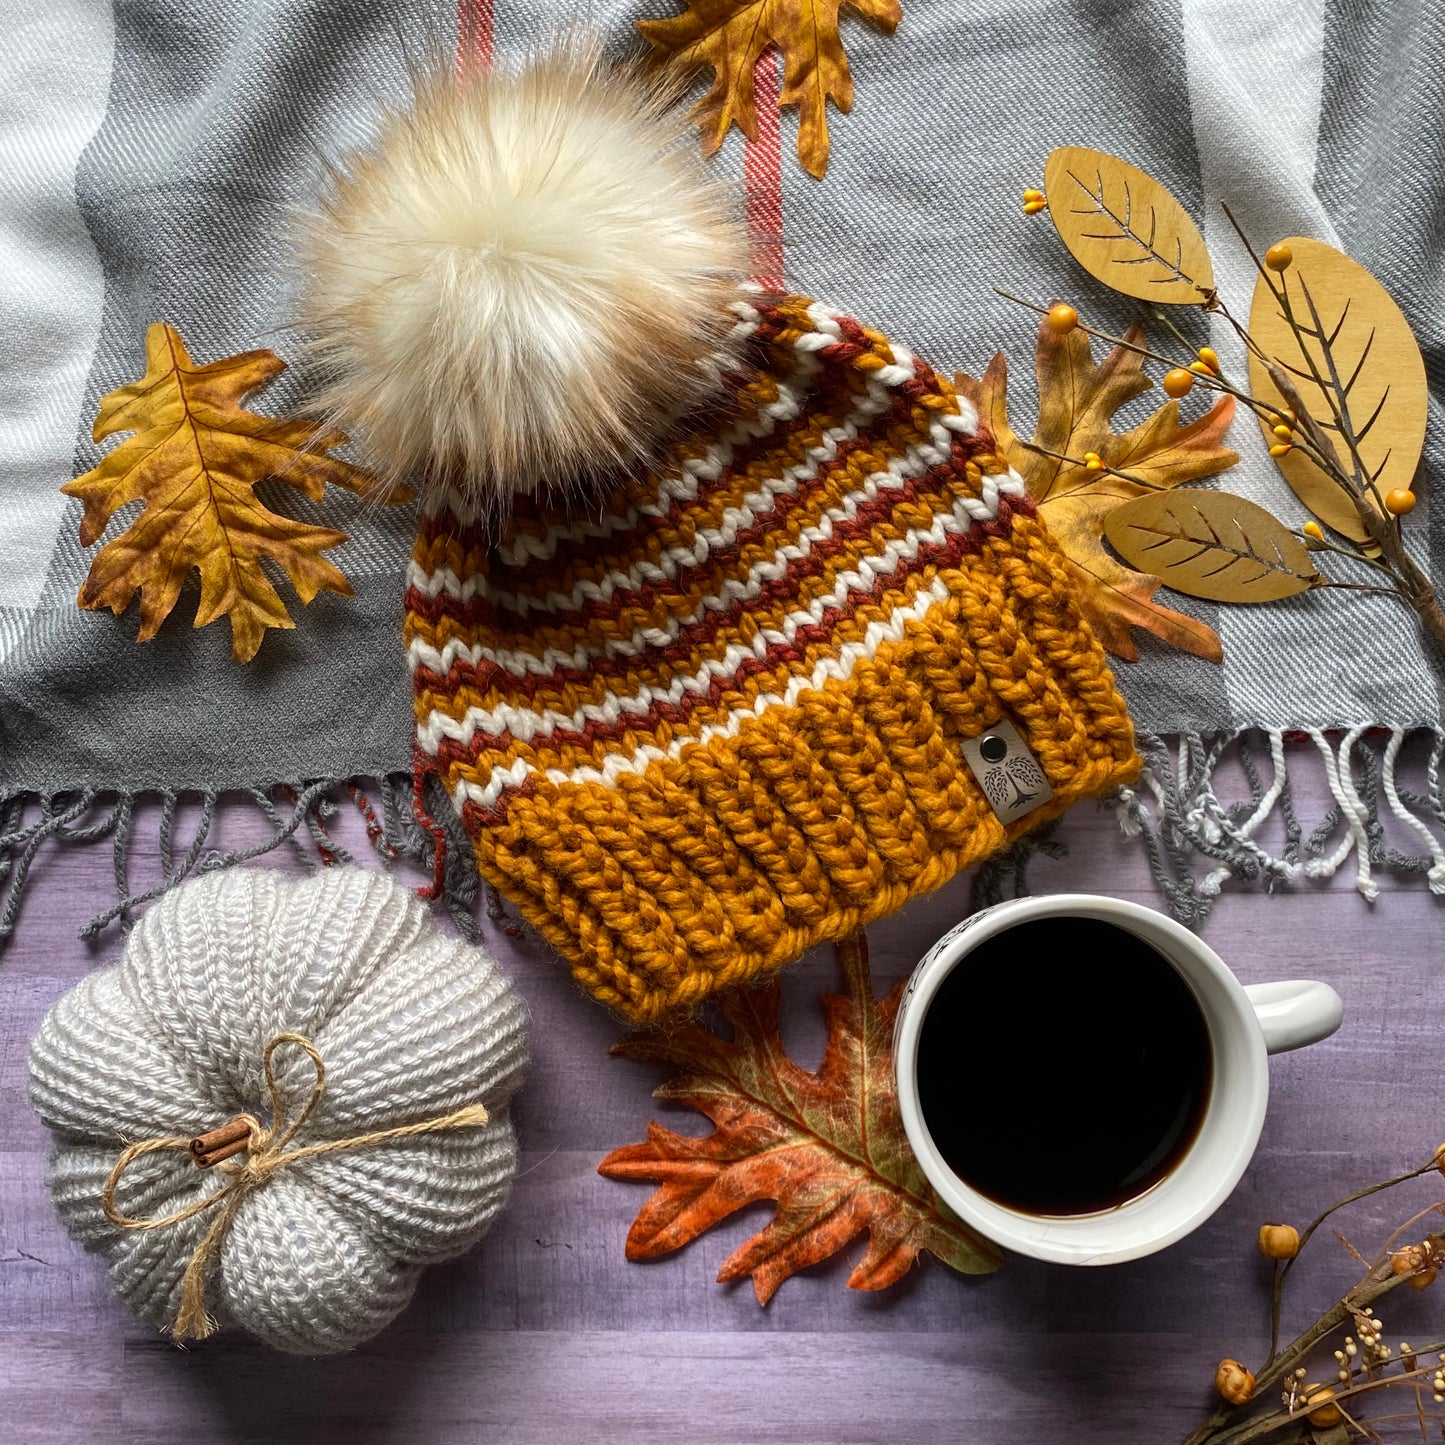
{"x": 545, "y": 1332}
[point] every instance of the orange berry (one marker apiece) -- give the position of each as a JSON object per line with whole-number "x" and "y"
{"x": 1424, "y": 1279}
{"x": 1280, "y": 449}
{"x": 1032, "y": 208}
{"x": 1278, "y": 1241}
{"x": 1033, "y": 195}
{"x": 1403, "y": 1261}
{"x": 1178, "y": 383}
{"x": 1093, "y": 461}
{"x": 1279, "y": 257}
{"x": 1209, "y": 357}
{"x": 1319, "y": 1400}
{"x": 1063, "y": 318}
{"x": 1234, "y": 1382}
{"x": 1313, "y": 530}
{"x": 1284, "y": 433}
{"x": 1399, "y": 502}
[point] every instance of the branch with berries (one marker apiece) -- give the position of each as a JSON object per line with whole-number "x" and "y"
{"x": 1324, "y": 1398}
{"x": 1336, "y": 381}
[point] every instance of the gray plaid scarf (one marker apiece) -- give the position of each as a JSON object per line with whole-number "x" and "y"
{"x": 151, "y": 150}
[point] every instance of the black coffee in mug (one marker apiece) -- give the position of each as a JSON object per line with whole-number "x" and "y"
{"x": 1063, "y": 1066}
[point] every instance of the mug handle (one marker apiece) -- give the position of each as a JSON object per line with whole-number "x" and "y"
{"x": 1294, "y": 1012}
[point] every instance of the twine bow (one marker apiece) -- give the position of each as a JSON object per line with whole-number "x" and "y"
{"x": 266, "y": 1151}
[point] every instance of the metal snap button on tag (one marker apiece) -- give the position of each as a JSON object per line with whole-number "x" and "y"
{"x": 1009, "y": 774}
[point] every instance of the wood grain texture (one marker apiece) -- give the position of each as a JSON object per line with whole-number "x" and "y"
{"x": 546, "y": 1333}
{"x": 1376, "y": 359}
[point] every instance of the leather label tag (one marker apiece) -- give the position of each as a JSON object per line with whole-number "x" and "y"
{"x": 1009, "y": 774}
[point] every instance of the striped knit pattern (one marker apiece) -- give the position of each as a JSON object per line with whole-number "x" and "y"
{"x": 715, "y": 718}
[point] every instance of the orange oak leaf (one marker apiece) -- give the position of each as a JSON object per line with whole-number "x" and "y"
{"x": 728, "y": 36}
{"x": 194, "y": 458}
{"x": 828, "y": 1148}
{"x": 1077, "y": 403}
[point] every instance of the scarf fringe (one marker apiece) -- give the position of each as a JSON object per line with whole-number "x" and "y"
{"x": 1178, "y": 816}
{"x": 1174, "y": 812}
{"x": 415, "y": 822}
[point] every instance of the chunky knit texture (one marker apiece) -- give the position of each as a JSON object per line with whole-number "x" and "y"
{"x": 410, "y": 1025}
{"x": 716, "y": 717}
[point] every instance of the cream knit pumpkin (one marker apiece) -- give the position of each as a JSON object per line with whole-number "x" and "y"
{"x": 410, "y": 1025}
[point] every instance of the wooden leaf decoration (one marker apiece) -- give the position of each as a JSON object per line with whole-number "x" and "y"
{"x": 828, "y": 1148}
{"x": 1126, "y": 229}
{"x": 1077, "y": 403}
{"x": 1359, "y": 357}
{"x": 1213, "y": 545}
{"x": 728, "y": 36}
{"x": 194, "y": 459}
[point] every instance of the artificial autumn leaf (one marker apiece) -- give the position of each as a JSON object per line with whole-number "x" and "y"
{"x": 728, "y": 36}
{"x": 194, "y": 459}
{"x": 828, "y": 1148}
{"x": 1077, "y": 403}
{"x": 1126, "y": 229}
{"x": 1357, "y": 354}
{"x": 1213, "y": 545}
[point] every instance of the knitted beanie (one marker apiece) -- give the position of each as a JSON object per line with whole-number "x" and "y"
{"x": 721, "y": 713}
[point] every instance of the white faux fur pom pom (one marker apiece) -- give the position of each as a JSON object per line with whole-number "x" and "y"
{"x": 513, "y": 286}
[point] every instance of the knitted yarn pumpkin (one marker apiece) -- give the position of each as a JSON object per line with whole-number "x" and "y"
{"x": 409, "y": 1025}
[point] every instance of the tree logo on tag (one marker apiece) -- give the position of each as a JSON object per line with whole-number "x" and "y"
{"x": 1007, "y": 772}
{"x": 1015, "y": 784}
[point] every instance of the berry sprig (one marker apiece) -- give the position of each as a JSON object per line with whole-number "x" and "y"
{"x": 1102, "y": 227}
{"x": 1362, "y": 1361}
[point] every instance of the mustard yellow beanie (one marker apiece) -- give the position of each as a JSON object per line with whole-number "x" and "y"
{"x": 742, "y": 703}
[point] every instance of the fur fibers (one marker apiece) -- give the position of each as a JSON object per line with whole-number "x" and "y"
{"x": 512, "y": 287}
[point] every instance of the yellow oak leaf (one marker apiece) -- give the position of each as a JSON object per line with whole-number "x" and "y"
{"x": 728, "y": 36}
{"x": 194, "y": 460}
{"x": 1078, "y": 400}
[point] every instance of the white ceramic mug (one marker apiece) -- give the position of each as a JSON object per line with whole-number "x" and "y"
{"x": 1244, "y": 1025}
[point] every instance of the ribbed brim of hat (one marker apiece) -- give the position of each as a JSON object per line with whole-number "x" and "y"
{"x": 685, "y": 773}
